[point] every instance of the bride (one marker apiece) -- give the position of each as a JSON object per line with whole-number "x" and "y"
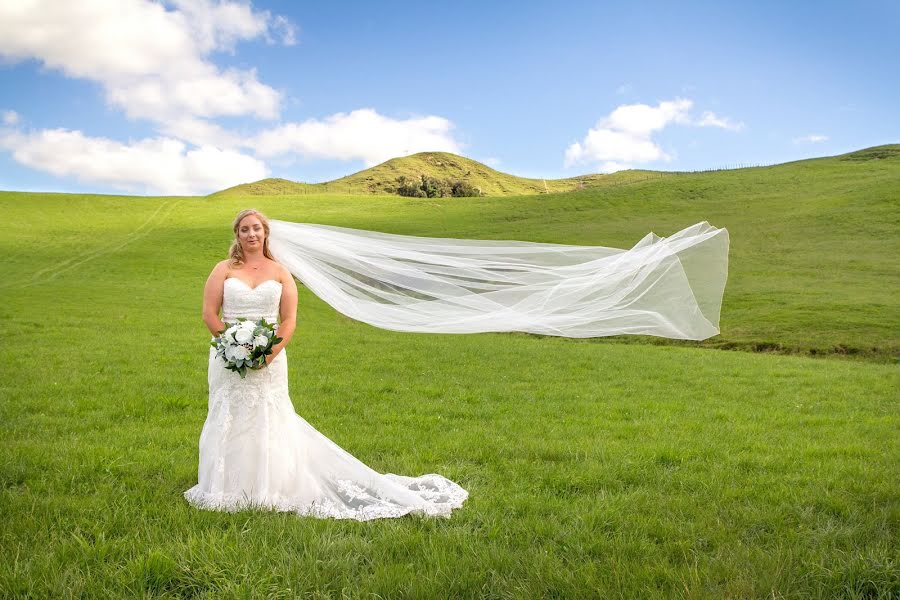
{"x": 255, "y": 451}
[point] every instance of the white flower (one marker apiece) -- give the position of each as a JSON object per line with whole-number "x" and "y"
{"x": 260, "y": 341}
{"x": 229, "y": 352}
{"x": 240, "y": 353}
{"x": 243, "y": 335}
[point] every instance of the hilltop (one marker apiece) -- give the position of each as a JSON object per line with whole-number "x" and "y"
{"x": 382, "y": 179}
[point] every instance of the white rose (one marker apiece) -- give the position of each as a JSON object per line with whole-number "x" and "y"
{"x": 260, "y": 341}
{"x": 243, "y": 335}
{"x": 241, "y": 353}
{"x": 229, "y": 352}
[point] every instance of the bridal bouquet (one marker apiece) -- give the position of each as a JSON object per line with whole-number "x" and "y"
{"x": 245, "y": 345}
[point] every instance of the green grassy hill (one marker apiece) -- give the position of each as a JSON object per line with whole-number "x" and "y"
{"x": 614, "y": 468}
{"x": 382, "y": 179}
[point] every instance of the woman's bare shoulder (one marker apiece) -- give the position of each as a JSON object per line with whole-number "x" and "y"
{"x": 222, "y": 267}
{"x": 283, "y": 274}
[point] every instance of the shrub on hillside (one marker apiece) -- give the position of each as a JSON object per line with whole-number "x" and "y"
{"x": 432, "y": 187}
{"x": 464, "y": 189}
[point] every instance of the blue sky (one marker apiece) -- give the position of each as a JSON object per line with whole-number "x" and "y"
{"x": 190, "y": 96}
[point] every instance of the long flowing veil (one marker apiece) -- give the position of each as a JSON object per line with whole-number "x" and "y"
{"x": 669, "y": 287}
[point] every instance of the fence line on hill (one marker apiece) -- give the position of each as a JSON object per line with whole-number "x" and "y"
{"x": 727, "y": 167}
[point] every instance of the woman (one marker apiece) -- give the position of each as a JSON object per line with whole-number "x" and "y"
{"x": 255, "y": 451}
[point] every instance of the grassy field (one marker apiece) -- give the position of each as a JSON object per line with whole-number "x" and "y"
{"x": 615, "y": 468}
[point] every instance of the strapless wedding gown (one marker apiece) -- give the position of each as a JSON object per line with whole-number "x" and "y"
{"x": 255, "y": 451}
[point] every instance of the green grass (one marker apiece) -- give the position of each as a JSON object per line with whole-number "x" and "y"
{"x": 615, "y": 468}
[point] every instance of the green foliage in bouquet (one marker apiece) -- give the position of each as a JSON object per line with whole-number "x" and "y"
{"x": 244, "y": 347}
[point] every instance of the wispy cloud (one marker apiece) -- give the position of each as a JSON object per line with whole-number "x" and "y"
{"x": 284, "y": 30}
{"x": 710, "y": 119}
{"x": 813, "y": 138}
{"x": 10, "y": 117}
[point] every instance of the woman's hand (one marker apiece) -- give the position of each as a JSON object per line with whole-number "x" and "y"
{"x": 270, "y": 358}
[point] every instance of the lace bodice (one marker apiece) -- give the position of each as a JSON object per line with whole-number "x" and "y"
{"x": 261, "y": 302}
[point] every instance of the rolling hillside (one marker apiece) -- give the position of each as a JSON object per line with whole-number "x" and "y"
{"x": 813, "y": 265}
{"x": 382, "y": 179}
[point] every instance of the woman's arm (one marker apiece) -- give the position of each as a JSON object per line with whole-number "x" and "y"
{"x": 288, "y": 312}
{"x": 212, "y": 298}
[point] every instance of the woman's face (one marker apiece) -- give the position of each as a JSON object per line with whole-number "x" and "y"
{"x": 251, "y": 233}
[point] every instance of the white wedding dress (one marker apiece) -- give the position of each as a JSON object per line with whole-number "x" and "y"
{"x": 256, "y": 451}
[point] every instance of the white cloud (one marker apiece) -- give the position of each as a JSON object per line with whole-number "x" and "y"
{"x": 603, "y": 144}
{"x": 625, "y": 135}
{"x": 360, "y": 134}
{"x": 207, "y": 92}
{"x": 814, "y": 138}
{"x": 220, "y": 25}
{"x": 151, "y": 61}
{"x": 641, "y": 119}
{"x": 201, "y": 133}
{"x": 10, "y": 117}
{"x": 154, "y": 165}
{"x": 285, "y": 30}
{"x": 710, "y": 119}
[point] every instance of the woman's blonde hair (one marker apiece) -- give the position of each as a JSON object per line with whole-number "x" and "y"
{"x": 236, "y": 253}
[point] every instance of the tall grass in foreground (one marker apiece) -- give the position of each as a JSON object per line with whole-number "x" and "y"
{"x": 596, "y": 468}
{"x": 594, "y": 471}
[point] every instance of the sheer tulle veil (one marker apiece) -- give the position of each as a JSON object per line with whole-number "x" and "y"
{"x": 663, "y": 286}
{"x": 255, "y": 450}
